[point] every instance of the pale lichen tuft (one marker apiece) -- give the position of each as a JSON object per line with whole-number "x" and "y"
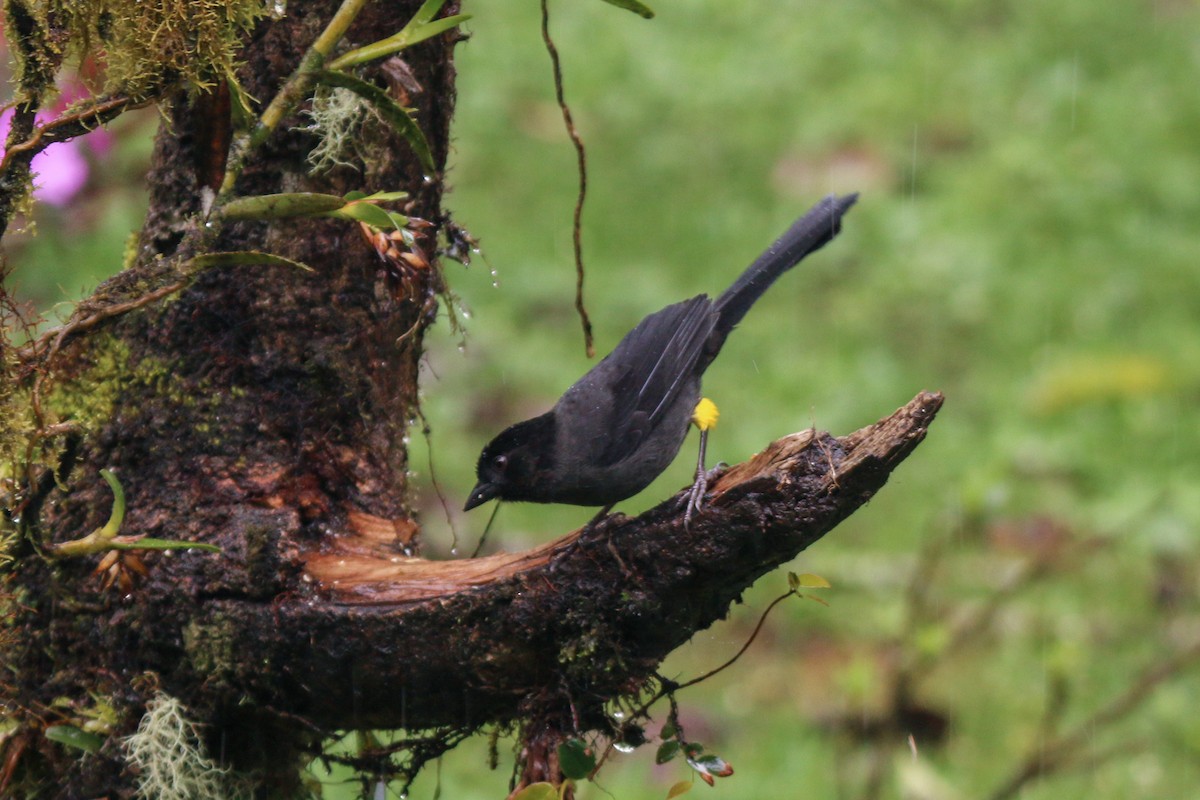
{"x": 168, "y": 756}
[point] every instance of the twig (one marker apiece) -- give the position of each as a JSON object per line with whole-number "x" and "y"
{"x": 427, "y": 432}
{"x": 1069, "y": 749}
{"x": 581, "y": 160}
{"x": 68, "y": 126}
{"x": 55, "y": 337}
{"x": 757, "y": 628}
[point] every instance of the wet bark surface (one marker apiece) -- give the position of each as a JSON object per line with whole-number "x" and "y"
{"x": 257, "y": 409}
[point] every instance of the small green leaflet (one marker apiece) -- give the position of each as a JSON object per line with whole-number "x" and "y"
{"x": 576, "y": 759}
{"x": 71, "y": 736}
{"x": 678, "y": 789}
{"x": 666, "y": 751}
{"x": 807, "y": 580}
{"x": 641, "y": 10}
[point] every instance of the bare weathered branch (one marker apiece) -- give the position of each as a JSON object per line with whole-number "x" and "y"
{"x": 418, "y": 643}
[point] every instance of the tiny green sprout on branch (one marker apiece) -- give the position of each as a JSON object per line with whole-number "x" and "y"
{"x": 421, "y": 27}
{"x": 807, "y": 580}
{"x": 105, "y": 539}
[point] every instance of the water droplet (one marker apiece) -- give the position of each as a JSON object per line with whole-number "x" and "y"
{"x": 454, "y": 550}
{"x": 623, "y": 747}
{"x": 618, "y": 715}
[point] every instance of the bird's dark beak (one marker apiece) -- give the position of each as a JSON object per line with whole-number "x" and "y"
{"x": 481, "y": 494}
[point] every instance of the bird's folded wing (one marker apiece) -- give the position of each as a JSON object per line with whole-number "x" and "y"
{"x": 653, "y": 363}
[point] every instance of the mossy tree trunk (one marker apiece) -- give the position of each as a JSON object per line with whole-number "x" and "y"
{"x": 263, "y": 409}
{"x": 255, "y": 409}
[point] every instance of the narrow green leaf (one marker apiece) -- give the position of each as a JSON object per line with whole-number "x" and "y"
{"x": 576, "y": 759}
{"x": 164, "y": 544}
{"x": 537, "y": 791}
{"x": 669, "y": 730}
{"x": 428, "y": 10}
{"x": 666, "y": 751}
{"x": 71, "y": 736}
{"x": 369, "y": 213}
{"x": 410, "y": 35}
{"x": 281, "y": 206}
{"x": 395, "y": 114}
{"x": 243, "y": 258}
{"x": 398, "y": 223}
{"x": 117, "y": 516}
{"x": 378, "y": 197}
{"x": 793, "y": 581}
{"x": 431, "y": 29}
{"x": 633, "y": 5}
{"x": 242, "y": 107}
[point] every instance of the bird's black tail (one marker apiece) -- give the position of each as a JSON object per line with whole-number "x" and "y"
{"x": 807, "y": 234}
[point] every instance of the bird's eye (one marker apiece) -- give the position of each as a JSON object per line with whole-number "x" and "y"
{"x": 500, "y": 462}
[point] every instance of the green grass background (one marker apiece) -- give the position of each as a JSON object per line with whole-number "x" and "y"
{"x": 1027, "y": 241}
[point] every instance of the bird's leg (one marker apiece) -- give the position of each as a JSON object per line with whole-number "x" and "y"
{"x": 696, "y": 494}
{"x": 600, "y": 515}
{"x": 705, "y": 418}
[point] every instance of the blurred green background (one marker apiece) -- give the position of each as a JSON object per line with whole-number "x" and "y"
{"x": 1027, "y": 242}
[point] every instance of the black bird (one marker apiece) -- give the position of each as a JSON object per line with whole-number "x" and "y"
{"x": 622, "y": 423}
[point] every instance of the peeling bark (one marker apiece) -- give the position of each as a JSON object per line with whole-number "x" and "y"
{"x": 370, "y": 638}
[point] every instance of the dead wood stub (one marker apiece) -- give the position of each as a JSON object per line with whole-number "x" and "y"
{"x": 391, "y": 641}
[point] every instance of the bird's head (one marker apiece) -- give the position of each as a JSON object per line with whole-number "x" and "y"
{"x": 510, "y": 465}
